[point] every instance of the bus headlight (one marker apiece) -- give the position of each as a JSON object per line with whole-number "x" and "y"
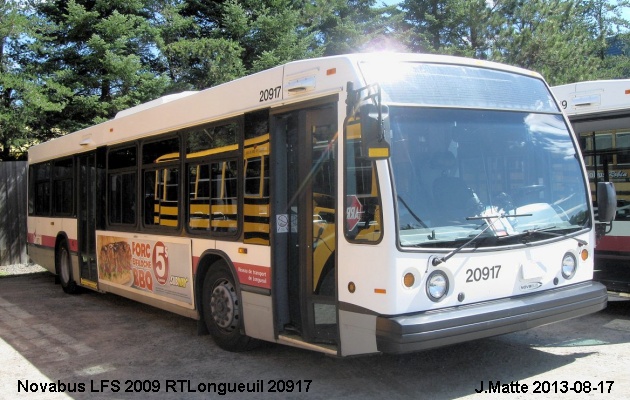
{"x": 437, "y": 285}
{"x": 569, "y": 265}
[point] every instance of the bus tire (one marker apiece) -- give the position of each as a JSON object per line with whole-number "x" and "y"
{"x": 64, "y": 269}
{"x": 222, "y": 310}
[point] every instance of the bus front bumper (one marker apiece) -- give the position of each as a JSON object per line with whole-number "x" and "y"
{"x": 443, "y": 327}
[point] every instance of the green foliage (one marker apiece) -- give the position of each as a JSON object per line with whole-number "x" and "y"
{"x": 269, "y": 32}
{"x": 24, "y": 94}
{"x": 343, "y": 27}
{"x": 460, "y": 27}
{"x": 105, "y": 50}
{"x": 565, "y": 40}
{"x": 67, "y": 64}
{"x": 548, "y": 36}
{"x": 190, "y": 59}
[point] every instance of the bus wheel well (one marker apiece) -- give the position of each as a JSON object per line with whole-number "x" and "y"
{"x": 219, "y": 303}
{"x": 61, "y": 237}
{"x": 202, "y": 270}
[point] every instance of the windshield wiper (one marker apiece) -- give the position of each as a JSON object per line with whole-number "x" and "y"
{"x": 545, "y": 231}
{"x": 498, "y": 216}
{"x": 439, "y": 260}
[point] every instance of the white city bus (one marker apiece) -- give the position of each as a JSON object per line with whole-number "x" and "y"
{"x": 600, "y": 114}
{"x": 349, "y": 205}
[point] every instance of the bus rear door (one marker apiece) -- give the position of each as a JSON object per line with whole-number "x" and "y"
{"x": 91, "y": 213}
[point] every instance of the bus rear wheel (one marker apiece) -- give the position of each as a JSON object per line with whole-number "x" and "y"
{"x": 64, "y": 269}
{"x": 222, "y": 311}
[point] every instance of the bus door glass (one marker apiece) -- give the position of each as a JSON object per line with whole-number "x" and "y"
{"x": 320, "y": 239}
{"x": 305, "y": 221}
{"x": 90, "y": 213}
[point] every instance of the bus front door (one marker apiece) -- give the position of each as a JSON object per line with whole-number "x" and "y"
{"x": 305, "y": 193}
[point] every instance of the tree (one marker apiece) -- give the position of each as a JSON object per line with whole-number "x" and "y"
{"x": 460, "y": 27}
{"x": 616, "y": 63}
{"x": 269, "y": 32}
{"x": 67, "y": 64}
{"x": 606, "y": 20}
{"x": 105, "y": 50}
{"x": 344, "y": 27}
{"x": 552, "y": 37}
{"x": 565, "y": 40}
{"x": 24, "y": 94}
{"x": 190, "y": 58}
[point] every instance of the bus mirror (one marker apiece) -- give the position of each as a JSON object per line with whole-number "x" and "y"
{"x": 374, "y": 131}
{"x": 606, "y": 202}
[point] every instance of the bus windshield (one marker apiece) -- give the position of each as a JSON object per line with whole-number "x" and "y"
{"x": 478, "y": 152}
{"x": 507, "y": 176}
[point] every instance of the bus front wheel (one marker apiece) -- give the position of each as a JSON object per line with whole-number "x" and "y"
{"x": 64, "y": 269}
{"x": 222, "y": 311}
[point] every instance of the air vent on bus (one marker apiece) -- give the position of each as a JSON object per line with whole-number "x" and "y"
{"x": 301, "y": 85}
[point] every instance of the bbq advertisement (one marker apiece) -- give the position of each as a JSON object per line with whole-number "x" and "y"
{"x": 147, "y": 265}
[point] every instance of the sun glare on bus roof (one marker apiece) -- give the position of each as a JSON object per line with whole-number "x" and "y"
{"x": 386, "y": 71}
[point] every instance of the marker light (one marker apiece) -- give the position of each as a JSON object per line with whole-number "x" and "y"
{"x": 437, "y": 285}
{"x": 569, "y": 265}
{"x": 409, "y": 280}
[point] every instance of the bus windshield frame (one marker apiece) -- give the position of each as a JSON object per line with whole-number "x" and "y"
{"x": 484, "y": 154}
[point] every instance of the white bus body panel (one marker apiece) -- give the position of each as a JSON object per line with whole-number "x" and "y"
{"x": 375, "y": 270}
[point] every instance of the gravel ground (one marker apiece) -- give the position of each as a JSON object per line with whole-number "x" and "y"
{"x": 20, "y": 269}
{"x": 105, "y": 343}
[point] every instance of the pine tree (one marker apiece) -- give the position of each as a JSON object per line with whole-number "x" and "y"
{"x": 25, "y": 94}
{"x": 104, "y": 51}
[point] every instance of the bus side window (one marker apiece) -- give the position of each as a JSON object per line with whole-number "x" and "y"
{"x": 160, "y": 161}
{"x": 363, "y": 200}
{"x": 256, "y": 178}
{"x": 63, "y": 184}
{"x": 122, "y": 189}
{"x": 39, "y": 191}
{"x": 199, "y": 195}
{"x": 213, "y": 197}
{"x": 224, "y": 196}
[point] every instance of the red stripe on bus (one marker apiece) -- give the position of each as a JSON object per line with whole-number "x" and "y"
{"x": 50, "y": 241}
{"x": 253, "y": 275}
{"x": 195, "y": 264}
{"x": 614, "y": 243}
{"x": 73, "y": 244}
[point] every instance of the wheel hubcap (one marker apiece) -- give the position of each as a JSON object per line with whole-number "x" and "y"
{"x": 224, "y": 306}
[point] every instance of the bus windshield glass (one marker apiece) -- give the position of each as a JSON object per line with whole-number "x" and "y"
{"x": 485, "y": 153}
{"x": 445, "y": 85}
{"x": 457, "y": 171}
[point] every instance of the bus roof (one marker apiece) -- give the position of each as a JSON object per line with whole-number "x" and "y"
{"x": 275, "y": 87}
{"x": 595, "y": 105}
